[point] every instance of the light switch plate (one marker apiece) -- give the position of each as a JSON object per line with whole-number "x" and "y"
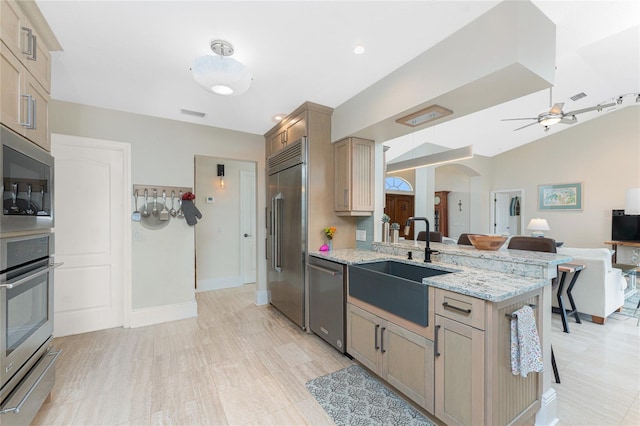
{"x": 361, "y": 235}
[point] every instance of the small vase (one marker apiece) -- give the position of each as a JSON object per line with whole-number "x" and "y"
{"x": 385, "y": 232}
{"x": 330, "y": 244}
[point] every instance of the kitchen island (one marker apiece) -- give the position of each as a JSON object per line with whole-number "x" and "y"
{"x": 457, "y": 367}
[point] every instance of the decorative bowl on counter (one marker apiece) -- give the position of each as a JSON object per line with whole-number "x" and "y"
{"x": 487, "y": 242}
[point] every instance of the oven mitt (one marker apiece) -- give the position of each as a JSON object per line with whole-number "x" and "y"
{"x": 191, "y": 212}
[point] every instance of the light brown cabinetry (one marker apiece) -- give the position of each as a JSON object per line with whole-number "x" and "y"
{"x": 473, "y": 380}
{"x": 402, "y": 358}
{"x": 459, "y": 362}
{"x": 441, "y": 213}
{"x": 26, "y": 70}
{"x": 354, "y": 177}
{"x": 289, "y": 131}
{"x": 312, "y": 121}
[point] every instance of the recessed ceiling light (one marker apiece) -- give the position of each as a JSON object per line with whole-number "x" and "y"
{"x": 359, "y": 49}
{"x": 278, "y": 117}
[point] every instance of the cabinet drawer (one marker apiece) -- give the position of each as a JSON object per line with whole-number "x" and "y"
{"x": 459, "y": 307}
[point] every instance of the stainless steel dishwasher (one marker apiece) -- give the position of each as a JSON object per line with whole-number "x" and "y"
{"x": 327, "y": 300}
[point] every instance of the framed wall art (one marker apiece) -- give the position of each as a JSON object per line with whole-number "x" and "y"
{"x": 566, "y": 196}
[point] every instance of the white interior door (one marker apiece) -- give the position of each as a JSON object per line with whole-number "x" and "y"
{"x": 501, "y": 218}
{"x": 248, "y": 225}
{"x": 90, "y": 210}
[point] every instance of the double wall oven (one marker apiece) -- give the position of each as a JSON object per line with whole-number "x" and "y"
{"x": 27, "y": 245}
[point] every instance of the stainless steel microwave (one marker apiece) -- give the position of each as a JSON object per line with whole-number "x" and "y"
{"x": 27, "y": 185}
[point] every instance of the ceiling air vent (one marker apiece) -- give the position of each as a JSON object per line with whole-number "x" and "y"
{"x": 193, "y": 113}
{"x": 578, "y": 96}
{"x": 424, "y": 115}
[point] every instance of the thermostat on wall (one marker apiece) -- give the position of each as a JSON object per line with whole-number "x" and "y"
{"x": 210, "y": 200}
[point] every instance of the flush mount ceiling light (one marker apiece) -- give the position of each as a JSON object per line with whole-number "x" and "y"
{"x": 219, "y": 73}
{"x": 424, "y": 115}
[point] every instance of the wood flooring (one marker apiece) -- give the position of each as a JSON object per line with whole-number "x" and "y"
{"x": 242, "y": 364}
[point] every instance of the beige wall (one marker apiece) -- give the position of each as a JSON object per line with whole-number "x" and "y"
{"x": 163, "y": 154}
{"x": 603, "y": 154}
{"x": 218, "y": 242}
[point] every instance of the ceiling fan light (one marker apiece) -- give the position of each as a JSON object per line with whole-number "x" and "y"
{"x": 549, "y": 121}
{"x": 221, "y": 75}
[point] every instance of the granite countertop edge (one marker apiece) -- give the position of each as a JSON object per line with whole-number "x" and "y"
{"x": 483, "y": 284}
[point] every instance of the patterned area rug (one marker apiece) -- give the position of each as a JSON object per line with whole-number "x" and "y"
{"x": 353, "y": 398}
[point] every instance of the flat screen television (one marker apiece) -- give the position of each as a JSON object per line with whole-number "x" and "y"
{"x": 625, "y": 227}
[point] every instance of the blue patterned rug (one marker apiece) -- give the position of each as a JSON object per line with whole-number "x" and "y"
{"x": 352, "y": 397}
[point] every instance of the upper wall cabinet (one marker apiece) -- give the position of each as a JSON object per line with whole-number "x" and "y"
{"x": 289, "y": 132}
{"x": 25, "y": 70}
{"x": 354, "y": 177}
{"x": 19, "y": 34}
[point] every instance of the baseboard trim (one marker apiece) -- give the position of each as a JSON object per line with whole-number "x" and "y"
{"x": 546, "y": 416}
{"x": 219, "y": 283}
{"x": 262, "y": 297}
{"x": 159, "y": 314}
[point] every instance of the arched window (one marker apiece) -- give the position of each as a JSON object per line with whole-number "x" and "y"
{"x": 394, "y": 183}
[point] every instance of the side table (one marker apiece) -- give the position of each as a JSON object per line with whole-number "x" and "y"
{"x": 564, "y": 269}
{"x": 630, "y": 271}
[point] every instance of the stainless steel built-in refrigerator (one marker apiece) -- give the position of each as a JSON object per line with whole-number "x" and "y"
{"x": 286, "y": 236}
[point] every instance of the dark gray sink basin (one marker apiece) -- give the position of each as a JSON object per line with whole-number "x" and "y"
{"x": 395, "y": 287}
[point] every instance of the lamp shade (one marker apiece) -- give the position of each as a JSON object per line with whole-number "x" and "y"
{"x": 632, "y": 201}
{"x": 536, "y": 226}
{"x": 221, "y": 75}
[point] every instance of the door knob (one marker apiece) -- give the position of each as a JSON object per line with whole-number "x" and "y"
{"x": 247, "y": 235}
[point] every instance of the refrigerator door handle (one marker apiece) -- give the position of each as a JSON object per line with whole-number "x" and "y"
{"x": 277, "y": 231}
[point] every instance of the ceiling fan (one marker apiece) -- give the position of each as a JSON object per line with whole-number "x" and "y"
{"x": 555, "y": 115}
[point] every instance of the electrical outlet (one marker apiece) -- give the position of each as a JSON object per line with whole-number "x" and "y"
{"x": 361, "y": 235}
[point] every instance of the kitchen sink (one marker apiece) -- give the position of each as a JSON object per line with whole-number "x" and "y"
{"x": 395, "y": 287}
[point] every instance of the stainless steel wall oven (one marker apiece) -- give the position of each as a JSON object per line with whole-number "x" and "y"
{"x": 27, "y": 185}
{"x": 26, "y": 326}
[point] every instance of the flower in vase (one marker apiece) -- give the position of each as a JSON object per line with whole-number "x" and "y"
{"x": 329, "y": 232}
{"x": 385, "y": 218}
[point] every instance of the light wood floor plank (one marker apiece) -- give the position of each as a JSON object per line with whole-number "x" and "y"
{"x": 238, "y": 363}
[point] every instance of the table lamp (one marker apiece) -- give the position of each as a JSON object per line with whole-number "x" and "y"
{"x": 632, "y": 201}
{"x": 537, "y": 225}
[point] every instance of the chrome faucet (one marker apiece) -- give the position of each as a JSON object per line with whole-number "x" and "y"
{"x": 427, "y": 250}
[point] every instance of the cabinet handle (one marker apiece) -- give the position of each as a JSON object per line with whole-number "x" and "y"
{"x": 455, "y": 308}
{"x": 375, "y": 334}
{"x": 34, "y": 114}
{"x": 435, "y": 341}
{"x": 29, "y": 121}
{"x": 382, "y": 339}
{"x": 346, "y": 197}
{"x": 34, "y": 49}
{"x": 30, "y": 46}
{"x": 266, "y": 248}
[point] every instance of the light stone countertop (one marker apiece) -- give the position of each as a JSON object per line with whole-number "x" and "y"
{"x": 487, "y": 284}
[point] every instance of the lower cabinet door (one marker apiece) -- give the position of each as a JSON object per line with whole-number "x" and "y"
{"x": 408, "y": 364}
{"x": 363, "y": 329}
{"x": 459, "y": 373}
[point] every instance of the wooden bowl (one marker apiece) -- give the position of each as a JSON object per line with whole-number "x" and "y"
{"x": 487, "y": 242}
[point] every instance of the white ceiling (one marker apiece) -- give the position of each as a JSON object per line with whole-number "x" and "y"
{"x": 135, "y": 56}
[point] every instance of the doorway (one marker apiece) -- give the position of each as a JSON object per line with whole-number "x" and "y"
{"x": 225, "y": 239}
{"x": 93, "y": 287}
{"x": 399, "y": 208}
{"x": 507, "y": 212}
